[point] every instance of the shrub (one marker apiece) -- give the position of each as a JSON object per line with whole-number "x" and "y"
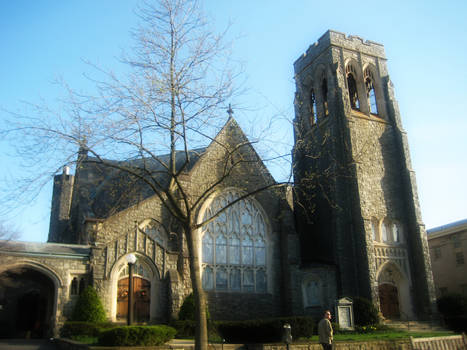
{"x": 89, "y": 307}
{"x": 365, "y": 312}
{"x": 136, "y": 336}
{"x": 452, "y": 305}
{"x": 90, "y": 329}
{"x": 264, "y": 330}
{"x": 187, "y": 328}
{"x": 187, "y": 310}
{"x": 457, "y": 323}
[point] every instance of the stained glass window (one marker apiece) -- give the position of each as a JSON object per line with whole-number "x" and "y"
{"x": 234, "y": 246}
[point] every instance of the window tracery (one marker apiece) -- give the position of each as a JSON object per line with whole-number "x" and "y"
{"x": 157, "y": 233}
{"x": 389, "y": 232}
{"x": 234, "y": 246}
{"x": 352, "y": 86}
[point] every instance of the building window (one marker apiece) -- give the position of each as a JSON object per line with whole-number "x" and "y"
{"x": 313, "y": 110}
{"x": 370, "y": 92}
{"x": 375, "y": 229}
{"x": 312, "y": 293}
{"x": 74, "y": 286}
{"x": 456, "y": 241}
{"x": 437, "y": 253}
{"x": 234, "y": 246}
{"x": 157, "y": 233}
{"x": 459, "y": 258}
{"x": 397, "y": 234}
{"x": 324, "y": 94}
{"x": 352, "y": 86}
{"x": 386, "y": 232}
{"x": 463, "y": 289}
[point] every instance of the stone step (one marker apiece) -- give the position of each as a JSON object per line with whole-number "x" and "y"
{"x": 420, "y": 326}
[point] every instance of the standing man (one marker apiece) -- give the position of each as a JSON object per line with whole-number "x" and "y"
{"x": 325, "y": 331}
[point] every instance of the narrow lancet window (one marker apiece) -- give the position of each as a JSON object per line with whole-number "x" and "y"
{"x": 353, "y": 94}
{"x": 324, "y": 92}
{"x": 370, "y": 92}
{"x": 352, "y": 86}
{"x": 313, "y": 114}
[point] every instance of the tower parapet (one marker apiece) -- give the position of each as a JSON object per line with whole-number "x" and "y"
{"x": 334, "y": 38}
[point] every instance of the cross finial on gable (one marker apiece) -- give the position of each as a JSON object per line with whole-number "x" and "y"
{"x": 230, "y": 111}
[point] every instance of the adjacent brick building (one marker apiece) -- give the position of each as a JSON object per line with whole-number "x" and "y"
{"x": 448, "y": 252}
{"x": 350, "y": 226}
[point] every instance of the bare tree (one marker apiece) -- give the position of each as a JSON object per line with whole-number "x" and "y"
{"x": 171, "y": 102}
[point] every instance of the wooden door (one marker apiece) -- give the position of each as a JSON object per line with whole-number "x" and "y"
{"x": 141, "y": 299}
{"x": 389, "y": 301}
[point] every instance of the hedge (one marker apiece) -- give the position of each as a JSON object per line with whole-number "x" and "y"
{"x": 264, "y": 330}
{"x": 91, "y": 329}
{"x": 136, "y": 336}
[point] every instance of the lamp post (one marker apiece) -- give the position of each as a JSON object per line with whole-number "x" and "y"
{"x": 131, "y": 259}
{"x": 287, "y": 334}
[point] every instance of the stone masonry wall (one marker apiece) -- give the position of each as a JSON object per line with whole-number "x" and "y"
{"x": 60, "y": 270}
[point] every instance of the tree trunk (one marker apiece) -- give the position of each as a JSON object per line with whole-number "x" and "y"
{"x": 201, "y": 335}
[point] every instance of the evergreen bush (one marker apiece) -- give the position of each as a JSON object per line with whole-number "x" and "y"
{"x": 365, "y": 312}
{"x": 136, "y": 336}
{"x": 187, "y": 310}
{"x": 78, "y": 328}
{"x": 265, "y": 330}
{"x": 452, "y": 305}
{"x": 89, "y": 307}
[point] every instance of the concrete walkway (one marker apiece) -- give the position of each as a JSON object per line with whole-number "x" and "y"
{"x": 26, "y": 344}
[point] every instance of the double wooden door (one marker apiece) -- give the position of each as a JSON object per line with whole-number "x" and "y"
{"x": 141, "y": 299}
{"x": 389, "y": 301}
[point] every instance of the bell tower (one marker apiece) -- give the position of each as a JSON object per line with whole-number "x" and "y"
{"x": 356, "y": 197}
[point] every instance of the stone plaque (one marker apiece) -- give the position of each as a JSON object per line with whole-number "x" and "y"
{"x": 344, "y": 317}
{"x": 344, "y": 313}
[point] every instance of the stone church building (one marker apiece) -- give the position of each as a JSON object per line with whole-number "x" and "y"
{"x": 349, "y": 226}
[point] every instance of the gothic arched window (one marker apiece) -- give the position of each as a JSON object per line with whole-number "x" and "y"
{"x": 313, "y": 110}
{"x": 324, "y": 95}
{"x": 157, "y": 233}
{"x": 370, "y": 92}
{"x": 234, "y": 246}
{"x": 352, "y": 86}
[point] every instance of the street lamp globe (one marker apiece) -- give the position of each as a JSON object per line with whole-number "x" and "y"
{"x": 131, "y": 258}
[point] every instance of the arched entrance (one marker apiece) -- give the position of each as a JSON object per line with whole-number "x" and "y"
{"x": 141, "y": 299}
{"x": 394, "y": 292}
{"x": 27, "y": 303}
{"x": 389, "y": 301}
{"x": 150, "y": 294}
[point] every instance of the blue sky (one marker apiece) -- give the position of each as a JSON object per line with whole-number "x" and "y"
{"x": 425, "y": 44}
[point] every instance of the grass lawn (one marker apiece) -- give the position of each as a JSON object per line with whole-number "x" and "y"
{"x": 388, "y": 335}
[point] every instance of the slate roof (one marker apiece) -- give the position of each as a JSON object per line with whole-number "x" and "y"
{"x": 45, "y": 249}
{"x": 105, "y": 190}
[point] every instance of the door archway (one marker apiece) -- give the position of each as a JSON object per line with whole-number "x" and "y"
{"x": 27, "y": 299}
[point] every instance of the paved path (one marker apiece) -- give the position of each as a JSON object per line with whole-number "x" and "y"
{"x": 26, "y": 344}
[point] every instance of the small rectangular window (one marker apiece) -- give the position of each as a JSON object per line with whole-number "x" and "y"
{"x": 437, "y": 252}
{"x": 460, "y": 258}
{"x": 464, "y": 289}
